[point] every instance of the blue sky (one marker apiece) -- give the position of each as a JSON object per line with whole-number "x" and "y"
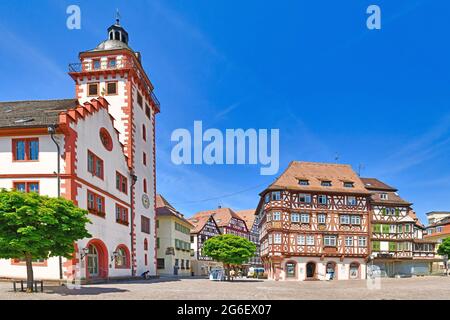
{"x": 310, "y": 68}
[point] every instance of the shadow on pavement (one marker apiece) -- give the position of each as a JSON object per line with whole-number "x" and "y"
{"x": 85, "y": 290}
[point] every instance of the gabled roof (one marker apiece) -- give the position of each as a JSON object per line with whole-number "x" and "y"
{"x": 164, "y": 208}
{"x": 412, "y": 214}
{"x": 375, "y": 184}
{"x": 377, "y": 187}
{"x": 33, "y": 114}
{"x": 222, "y": 216}
{"x": 316, "y": 173}
{"x": 248, "y": 216}
{"x": 199, "y": 223}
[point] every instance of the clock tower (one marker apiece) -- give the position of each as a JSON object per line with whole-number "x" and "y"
{"x": 114, "y": 71}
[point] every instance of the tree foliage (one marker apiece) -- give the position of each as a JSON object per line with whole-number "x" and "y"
{"x": 229, "y": 249}
{"x": 444, "y": 247}
{"x": 38, "y": 227}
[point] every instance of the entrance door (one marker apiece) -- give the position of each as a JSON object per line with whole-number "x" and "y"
{"x": 310, "y": 270}
{"x": 92, "y": 261}
{"x": 331, "y": 269}
{"x": 354, "y": 270}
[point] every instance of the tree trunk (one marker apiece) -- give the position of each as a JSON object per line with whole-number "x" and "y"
{"x": 30, "y": 277}
{"x": 227, "y": 271}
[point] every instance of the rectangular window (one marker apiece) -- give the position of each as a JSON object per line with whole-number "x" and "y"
{"x": 145, "y": 224}
{"x": 376, "y": 245}
{"x": 276, "y": 196}
{"x": 96, "y": 64}
{"x": 25, "y": 149}
{"x": 392, "y": 246}
{"x": 295, "y": 217}
{"x": 321, "y": 218}
{"x": 95, "y": 204}
{"x": 93, "y": 89}
{"x": 160, "y": 263}
{"x": 349, "y": 185}
{"x": 325, "y": 183}
{"x": 344, "y": 219}
{"x": 121, "y": 214}
{"x": 303, "y": 182}
{"x": 392, "y": 228}
{"x": 140, "y": 100}
{"x": 383, "y": 196}
{"x": 95, "y": 165}
{"x": 322, "y": 199}
{"x": 400, "y": 228}
{"x": 267, "y": 198}
{"x": 121, "y": 183}
{"x": 351, "y": 201}
{"x": 362, "y": 241}
{"x": 147, "y": 111}
{"x": 329, "y": 241}
{"x": 112, "y": 63}
{"x": 301, "y": 240}
{"x": 304, "y": 218}
{"x": 309, "y": 240}
{"x": 349, "y": 241}
{"x": 304, "y": 198}
{"x": 277, "y": 238}
{"x": 26, "y": 186}
{"x": 355, "y": 220}
{"x": 276, "y": 216}
{"x": 407, "y": 228}
{"x": 111, "y": 88}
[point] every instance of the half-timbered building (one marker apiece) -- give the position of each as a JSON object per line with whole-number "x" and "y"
{"x": 229, "y": 222}
{"x": 98, "y": 150}
{"x": 314, "y": 222}
{"x": 252, "y": 222}
{"x": 397, "y": 244}
{"x": 205, "y": 227}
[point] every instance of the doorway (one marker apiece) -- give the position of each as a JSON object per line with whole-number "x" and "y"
{"x": 310, "y": 270}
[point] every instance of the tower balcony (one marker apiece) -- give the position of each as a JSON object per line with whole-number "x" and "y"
{"x": 104, "y": 67}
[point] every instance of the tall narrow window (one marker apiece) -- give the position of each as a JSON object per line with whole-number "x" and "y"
{"x": 121, "y": 183}
{"x": 95, "y": 165}
{"x": 144, "y": 132}
{"x": 144, "y": 158}
{"x": 145, "y": 224}
{"x": 145, "y": 185}
{"x": 139, "y": 100}
{"x": 147, "y": 111}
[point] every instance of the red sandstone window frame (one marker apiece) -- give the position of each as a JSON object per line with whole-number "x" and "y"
{"x": 95, "y": 160}
{"x": 109, "y": 62}
{"x": 127, "y": 257}
{"x": 19, "y": 262}
{"x": 27, "y": 185}
{"x": 27, "y": 155}
{"x": 122, "y": 215}
{"x": 99, "y": 64}
{"x": 121, "y": 183}
{"x": 89, "y": 91}
{"x": 144, "y": 182}
{"x": 94, "y": 209}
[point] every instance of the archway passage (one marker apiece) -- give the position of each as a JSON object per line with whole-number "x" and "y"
{"x": 310, "y": 270}
{"x": 97, "y": 260}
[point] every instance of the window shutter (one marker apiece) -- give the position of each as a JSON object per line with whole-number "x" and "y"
{"x": 397, "y": 212}
{"x": 376, "y": 245}
{"x": 392, "y": 246}
{"x": 383, "y": 211}
{"x": 385, "y": 228}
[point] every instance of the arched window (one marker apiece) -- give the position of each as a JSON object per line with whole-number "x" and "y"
{"x": 145, "y": 185}
{"x": 122, "y": 257}
{"x": 144, "y": 132}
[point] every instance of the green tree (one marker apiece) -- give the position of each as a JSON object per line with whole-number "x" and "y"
{"x": 38, "y": 227}
{"x": 444, "y": 249}
{"x": 229, "y": 249}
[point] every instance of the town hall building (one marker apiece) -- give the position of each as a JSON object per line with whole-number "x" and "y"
{"x": 98, "y": 150}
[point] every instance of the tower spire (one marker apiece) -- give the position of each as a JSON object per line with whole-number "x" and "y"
{"x": 117, "y": 17}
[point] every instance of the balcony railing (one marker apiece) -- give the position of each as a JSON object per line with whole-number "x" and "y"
{"x": 107, "y": 66}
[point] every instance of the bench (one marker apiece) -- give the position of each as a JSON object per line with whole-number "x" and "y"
{"x": 34, "y": 288}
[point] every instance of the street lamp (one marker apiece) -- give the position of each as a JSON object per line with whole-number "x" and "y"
{"x": 84, "y": 252}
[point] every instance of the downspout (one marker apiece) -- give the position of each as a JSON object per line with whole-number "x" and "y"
{"x": 133, "y": 183}
{"x": 52, "y": 131}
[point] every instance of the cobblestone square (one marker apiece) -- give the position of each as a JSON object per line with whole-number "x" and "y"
{"x": 432, "y": 287}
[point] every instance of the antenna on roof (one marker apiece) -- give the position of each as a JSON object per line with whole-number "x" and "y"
{"x": 360, "y": 167}
{"x": 336, "y": 157}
